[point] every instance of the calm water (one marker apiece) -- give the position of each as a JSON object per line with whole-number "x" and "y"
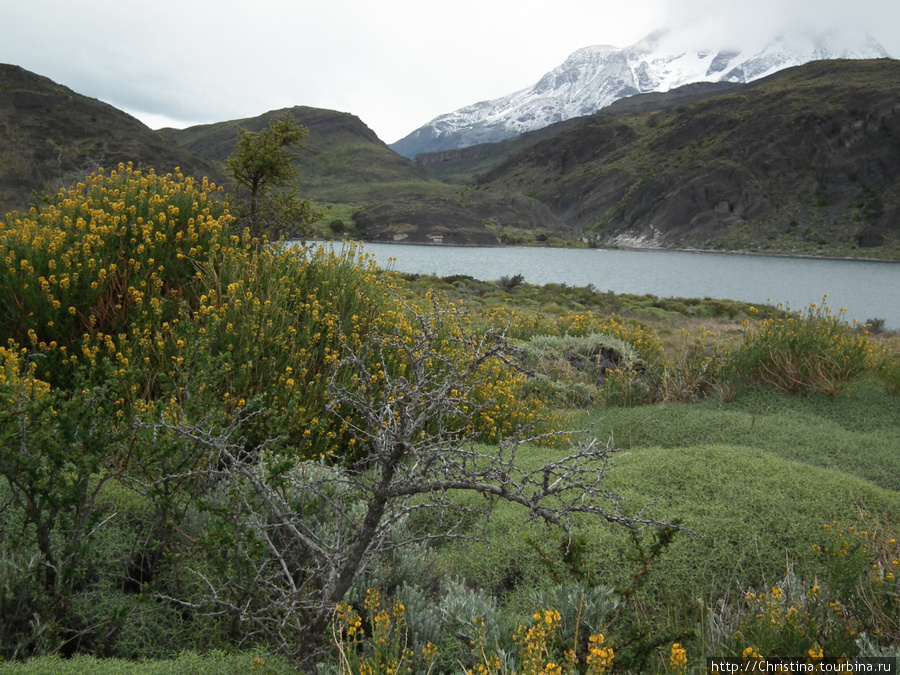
{"x": 866, "y": 289}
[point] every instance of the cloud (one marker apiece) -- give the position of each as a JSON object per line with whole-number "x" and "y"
{"x": 741, "y": 24}
{"x": 396, "y": 68}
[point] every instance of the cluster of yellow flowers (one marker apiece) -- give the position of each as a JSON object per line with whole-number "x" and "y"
{"x": 599, "y": 658}
{"x": 678, "y": 658}
{"x": 538, "y": 654}
{"x": 18, "y": 377}
{"x": 385, "y": 651}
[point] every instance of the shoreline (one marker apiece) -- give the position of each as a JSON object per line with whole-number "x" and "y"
{"x": 808, "y": 256}
{"x": 640, "y": 249}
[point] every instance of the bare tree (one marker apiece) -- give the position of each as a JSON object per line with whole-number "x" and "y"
{"x": 311, "y": 528}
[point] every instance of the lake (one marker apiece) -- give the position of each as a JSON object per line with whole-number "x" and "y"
{"x": 867, "y": 289}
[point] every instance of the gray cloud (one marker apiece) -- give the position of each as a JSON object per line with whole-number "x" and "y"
{"x": 205, "y": 60}
{"x": 734, "y": 23}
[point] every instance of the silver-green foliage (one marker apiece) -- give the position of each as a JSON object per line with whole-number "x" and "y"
{"x": 582, "y": 607}
{"x": 571, "y": 370}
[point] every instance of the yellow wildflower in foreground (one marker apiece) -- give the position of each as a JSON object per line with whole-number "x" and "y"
{"x": 599, "y": 658}
{"x": 678, "y": 658}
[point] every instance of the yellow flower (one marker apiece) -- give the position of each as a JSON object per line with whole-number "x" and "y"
{"x": 751, "y": 653}
{"x": 678, "y": 658}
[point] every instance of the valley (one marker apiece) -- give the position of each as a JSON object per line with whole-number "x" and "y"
{"x": 802, "y": 162}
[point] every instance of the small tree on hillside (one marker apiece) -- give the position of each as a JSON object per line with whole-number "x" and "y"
{"x": 262, "y": 164}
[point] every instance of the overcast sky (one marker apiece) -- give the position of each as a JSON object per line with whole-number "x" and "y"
{"x": 395, "y": 64}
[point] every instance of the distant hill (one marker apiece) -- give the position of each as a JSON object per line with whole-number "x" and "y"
{"x": 807, "y": 161}
{"x": 52, "y": 137}
{"x": 391, "y": 198}
{"x": 344, "y": 153}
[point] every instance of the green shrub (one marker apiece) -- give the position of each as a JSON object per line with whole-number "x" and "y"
{"x": 853, "y": 593}
{"x": 509, "y": 283}
{"x": 26, "y": 618}
{"x": 887, "y": 368}
{"x": 814, "y": 352}
{"x": 573, "y": 370}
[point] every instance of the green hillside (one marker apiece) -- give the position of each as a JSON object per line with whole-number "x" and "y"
{"x": 380, "y": 195}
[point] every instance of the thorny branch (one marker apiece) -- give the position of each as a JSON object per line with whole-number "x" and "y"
{"x": 408, "y": 401}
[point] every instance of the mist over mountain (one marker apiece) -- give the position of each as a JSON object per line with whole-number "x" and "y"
{"x": 594, "y": 77}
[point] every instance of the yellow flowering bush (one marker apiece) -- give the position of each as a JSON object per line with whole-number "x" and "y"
{"x": 856, "y": 594}
{"x": 112, "y": 251}
{"x": 815, "y": 351}
{"x": 787, "y": 622}
{"x": 539, "y": 651}
{"x": 139, "y": 280}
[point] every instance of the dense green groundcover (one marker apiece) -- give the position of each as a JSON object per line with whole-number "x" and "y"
{"x": 754, "y": 480}
{"x": 188, "y": 663}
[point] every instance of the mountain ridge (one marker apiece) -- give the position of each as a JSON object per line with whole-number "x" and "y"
{"x": 592, "y": 78}
{"x": 53, "y": 137}
{"x": 805, "y": 161}
{"x": 389, "y": 198}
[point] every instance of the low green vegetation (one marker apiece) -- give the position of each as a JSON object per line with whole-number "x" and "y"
{"x": 188, "y": 663}
{"x": 225, "y": 454}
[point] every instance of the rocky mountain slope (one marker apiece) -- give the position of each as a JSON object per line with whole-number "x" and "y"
{"x": 594, "y": 77}
{"x": 807, "y": 160}
{"x": 51, "y": 137}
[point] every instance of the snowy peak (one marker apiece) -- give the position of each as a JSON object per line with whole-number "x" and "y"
{"x": 785, "y": 51}
{"x": 592, "y": 78}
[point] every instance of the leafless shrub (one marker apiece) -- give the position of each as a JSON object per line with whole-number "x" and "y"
{"x": 310, "y": 528}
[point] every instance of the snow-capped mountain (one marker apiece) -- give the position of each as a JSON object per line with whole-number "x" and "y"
{"x": 594, "y": 77}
